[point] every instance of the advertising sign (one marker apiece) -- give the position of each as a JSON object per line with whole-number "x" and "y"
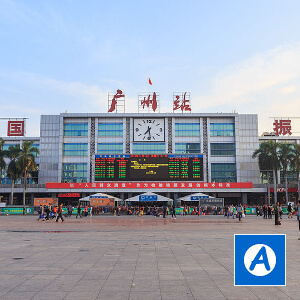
{"x": 102, "y": 201}
{"x": 148, "y": 198}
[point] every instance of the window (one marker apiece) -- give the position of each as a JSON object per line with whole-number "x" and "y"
{"x": 187, "y": 129}
{"x": 74, "y": 173}
{"x": 148, "y": 148}
{"x": 222, "y": 149}
{"x": 187, "y": 148}
{"x": 110, "y": 129}
{"x": 223, "y": 172}
{"x": 110, "y": 148}
{"x": 221, "y": 129}
{"x": 76, "y": 129}
{"x": 75, "y": 149}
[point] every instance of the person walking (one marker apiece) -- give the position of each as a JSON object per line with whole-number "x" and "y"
{"x": 290, "y": 210}
{"x": 239, "y": 210}
{"x": 173, "y": 212}
{"x": 60, "y": 211}
{"x": 164, "y": 211}
{"x": 78, "y": 211}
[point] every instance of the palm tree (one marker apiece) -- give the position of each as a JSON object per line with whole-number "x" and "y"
{"x": 26, "y": 162}
{"x": 265, "y": 162}
{"x": 3, "y": 153}
{"x": 13, "y": 170}
{"x": 285, "y": 156}
{"x": 296, "y": 164}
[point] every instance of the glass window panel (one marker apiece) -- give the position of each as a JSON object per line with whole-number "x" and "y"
{"x": 110, "y": 148}
{"x": 76, "y": 129}
{"x": 222, "y": 149}
{"x": 110, "y": 129}
{"x": 148, "y": 148}
{"x": 75, "y": 149}
{"x": 223, "y": 172}
{"x": 73, "y": 172}
{"x": 187, "y": 148}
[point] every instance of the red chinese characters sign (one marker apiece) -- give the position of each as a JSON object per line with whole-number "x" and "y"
{"x": 148, "y": 102}
{"x": 181, "y": 102}
{"x": 116, "y": 102}
{"x": 15, "y": 128}
{"x": 151, "y": 185}
{"x": 282, "y": 127}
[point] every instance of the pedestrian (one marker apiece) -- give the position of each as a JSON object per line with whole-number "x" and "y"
{"x": 78, "y": 211}
{"x": 164, "y": 211}
{"x": 91, "y": 211}
{"x": 239, "y": 210}
{"x": 269, "y": 212}
{"x": 298, "y": 213}
{"x": 60, "y": 211}
{"x": 290, "y": 210}
{"x": 276, "y": 212}
{"x": 265, "y": 211}
{"x": 280, "y": 211}
{"x": 173, "y": 212}
{"x": 257, "y": 210}
{"x": 40, "y": 212}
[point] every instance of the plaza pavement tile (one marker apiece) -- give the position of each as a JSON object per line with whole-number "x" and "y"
{"x": 107, "y": 257}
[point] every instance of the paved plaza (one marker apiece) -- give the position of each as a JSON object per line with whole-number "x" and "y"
{"x": 107, "y": 257}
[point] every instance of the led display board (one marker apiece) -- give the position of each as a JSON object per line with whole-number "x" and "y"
{"x": 149, "y": 167}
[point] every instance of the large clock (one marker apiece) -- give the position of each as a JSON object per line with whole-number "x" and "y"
{"x": 148, "y": 130}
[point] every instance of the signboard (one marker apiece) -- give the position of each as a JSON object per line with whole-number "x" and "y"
{"x": 45, "y": 201}
{"x": 16, "y": 210}
{"x": 149, "y": 167}
{"x": 101, "y": 201}
{"x": 282, "y": 127}
{"x": 150, "y": 185}
{"x": 181, "y": 102}
{"x": 68, "y": 195}
{"x": 197, "y": 198}
{"x": 212, "y": 202}
{"x": 16, "y": 128}
{"x": 116, "y": 102}
{"x": 148, "y": 102}
{"x": 148, "y": 198}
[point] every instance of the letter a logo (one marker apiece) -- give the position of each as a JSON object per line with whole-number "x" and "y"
{"x": 260, "y": 260}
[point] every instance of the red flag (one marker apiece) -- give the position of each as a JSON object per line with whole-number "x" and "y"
{"x": 150, "y": 81}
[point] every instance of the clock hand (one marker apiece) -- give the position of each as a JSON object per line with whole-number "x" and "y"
{"x": 148, "y": 130}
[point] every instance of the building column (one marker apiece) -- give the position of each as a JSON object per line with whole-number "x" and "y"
{"x": 244, "y": 198}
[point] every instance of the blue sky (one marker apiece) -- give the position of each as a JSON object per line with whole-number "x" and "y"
{"x": 230, "y": 55}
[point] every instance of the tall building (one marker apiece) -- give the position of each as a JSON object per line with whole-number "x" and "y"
{"x": 125, "y": 154}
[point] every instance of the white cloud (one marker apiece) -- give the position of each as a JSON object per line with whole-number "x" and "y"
{"x": 265, "y": 84}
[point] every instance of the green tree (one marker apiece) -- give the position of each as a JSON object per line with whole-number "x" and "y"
{"x": 285, "y": 156}
{"x": 265, "y": 162}
{"x": 3, "y": 154}
{"x": 13, "y": 170}
{"x": 26, "y": 162}
{"x": 296, "y": 164}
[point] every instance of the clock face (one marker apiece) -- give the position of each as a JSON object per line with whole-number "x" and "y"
{"x": 148, "y": 130}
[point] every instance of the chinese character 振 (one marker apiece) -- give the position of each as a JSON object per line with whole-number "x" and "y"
{"x": 282, "y": 127}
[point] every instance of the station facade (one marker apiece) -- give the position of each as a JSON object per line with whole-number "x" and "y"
{"x": 127, "y": 154}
